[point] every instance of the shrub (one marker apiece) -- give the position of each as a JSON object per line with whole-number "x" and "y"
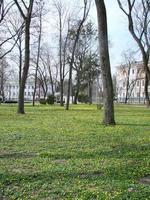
{"x": 83, "y": 98}
{"x": 42, "y": 101}
{"x": 10, "y": 101}
{"x": 50, "y": 99}
{"x": 99, "y": 106}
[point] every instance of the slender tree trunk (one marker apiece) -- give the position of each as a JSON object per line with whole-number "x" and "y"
{"x": 52, "y": 83}
{"x": 37, "y": 61}
{"x": 60, "y": 61}
{"x": 77, "y": 91}
{"x": 90, "y": 92}
{"x": 61, "y": 92}
{"x": 20, "y": 62}
{"x": 26, "y": 67}
{"x": 105, "y": 64}
{"x": 139, "y": 91}
{"x": 146, "y": 91}
{"x": 127, "y": 85}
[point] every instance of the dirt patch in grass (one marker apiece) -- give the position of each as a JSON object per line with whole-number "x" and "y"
{"x": 91, "y": 175}
{"x": 59, "y": 161}
{"x": 145, "y": 180}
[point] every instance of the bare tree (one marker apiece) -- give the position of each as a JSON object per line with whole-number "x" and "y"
{"x": 105, "y": 64}
{"x": 6, "y": 38}
{"x": 4, "y": 74}
{"x": 26, "y": 15}
{"x": 13, "y": 25}
{"x": 39, "y": 27}
{"x": 126, "y": 68}
{"x": 138, "y": 14}
{"x": 78, "y": 31}
{"x": 83, "y": 61}
{"x": 63, "y": 24}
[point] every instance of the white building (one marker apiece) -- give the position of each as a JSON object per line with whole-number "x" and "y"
{"x": 130, "y": 83}
{"x": 11, "y": 90}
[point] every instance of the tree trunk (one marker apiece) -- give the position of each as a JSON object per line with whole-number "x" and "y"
{"x": 37, "y": 61}
{"x": 77, "y": 91}
{"x": 105, "y": 64}
{"x": 147, "y": 79}
{"x": 90, "y": 92}
{"x": 61, "y": 92}
{"x": 26, "y": 67}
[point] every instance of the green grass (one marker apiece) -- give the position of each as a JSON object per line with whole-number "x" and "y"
{"x": 50, "y": 153}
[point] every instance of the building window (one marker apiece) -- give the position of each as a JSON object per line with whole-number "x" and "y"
{"x": 124, "y": 84}
{"x": 28, "y": 93}
{"x": 132, "y": 71}
{"x": 138, "y": 83}
{"x": 25, "y": 94}
{"x": 123, "y": 94}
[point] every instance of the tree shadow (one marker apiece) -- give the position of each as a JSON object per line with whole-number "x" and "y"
{"x": 133, "y": 124}
{"x": 17, "y": 155}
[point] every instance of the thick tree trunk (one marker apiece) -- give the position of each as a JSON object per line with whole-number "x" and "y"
{"x": 147, "y": 79}
{"x": 26, "y": 67}
{"x": 105, "y": 64}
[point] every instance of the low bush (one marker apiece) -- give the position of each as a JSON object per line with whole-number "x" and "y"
{"x": 50, "y": 99}
{"x": 42, "y": 101}
{"x": 83, "y": 98}
{"x": 10, "y": 101}
{"x": 99, "y": 106}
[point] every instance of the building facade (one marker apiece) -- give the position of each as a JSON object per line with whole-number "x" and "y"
{"x": 130, "y": 83}
{"x": 11, "y": 90}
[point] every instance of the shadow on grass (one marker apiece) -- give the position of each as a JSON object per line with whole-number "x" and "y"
{"x": 116, "y": 151}
{"x": 121, "y": 150}
{"x": 128, "y": 124}
{"x": 17, "y": 155}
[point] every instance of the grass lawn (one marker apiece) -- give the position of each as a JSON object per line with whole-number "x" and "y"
{"x": 50, "y": 153}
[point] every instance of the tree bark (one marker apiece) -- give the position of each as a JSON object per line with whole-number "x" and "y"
{"x": 37, "y": 60}
{"x": 27, "y": 21}
{"x": 105, "y": 64}
{"x": 77, "y": 90}
{"x": 25, "y": 69}
{"x": 147, "y": 79}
